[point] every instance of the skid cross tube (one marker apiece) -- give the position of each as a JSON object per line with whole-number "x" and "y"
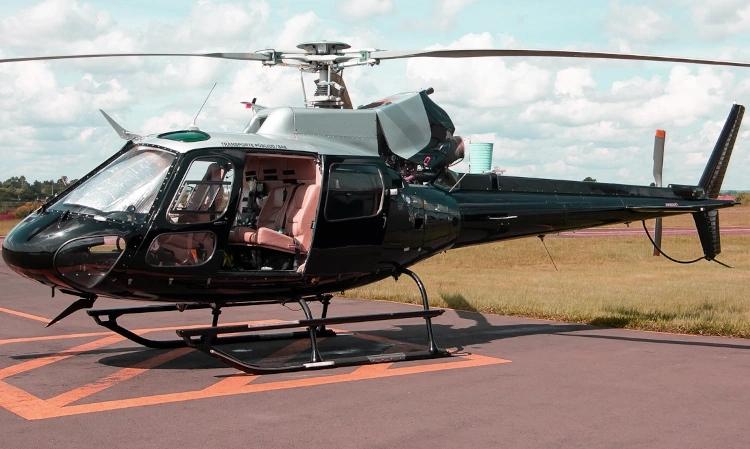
{"x": 204, "y": 338}
{"x": 108, "y": 318}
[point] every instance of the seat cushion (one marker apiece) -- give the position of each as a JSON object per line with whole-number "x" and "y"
{"x": 272, "y": 239}
{"x": 243, "y": 234}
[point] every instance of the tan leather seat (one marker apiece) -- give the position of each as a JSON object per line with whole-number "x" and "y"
{"x": 300, "y": 216}
{"x": 268, "y": 217}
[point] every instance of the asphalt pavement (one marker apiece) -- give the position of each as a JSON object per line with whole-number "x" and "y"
{"x": 514, "y": 382}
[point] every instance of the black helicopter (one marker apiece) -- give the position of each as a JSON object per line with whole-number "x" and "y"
{"x": 309, "y": 201}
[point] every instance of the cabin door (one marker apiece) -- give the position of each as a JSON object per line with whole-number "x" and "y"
{"x": 351, "y": 219}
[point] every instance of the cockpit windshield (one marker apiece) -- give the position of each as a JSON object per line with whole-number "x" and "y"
{"x": 124, "y": 190}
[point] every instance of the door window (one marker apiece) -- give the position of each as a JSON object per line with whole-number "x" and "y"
{"x": 354, "y": 191}
{"x": 181, "y": 249}
{"x": 204, "y": 194}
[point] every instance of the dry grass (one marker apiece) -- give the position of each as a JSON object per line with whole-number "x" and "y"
{"x": 6, "y": 226}
{"x": 608, "y": 281}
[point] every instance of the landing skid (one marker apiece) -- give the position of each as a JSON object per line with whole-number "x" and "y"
{"x": 110, "y": 322}
{"x": 207, "y": 339}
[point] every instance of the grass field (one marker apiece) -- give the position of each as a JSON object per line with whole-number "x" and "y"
{"x": 607, "y": 281}
{"x": 7, "y": 225}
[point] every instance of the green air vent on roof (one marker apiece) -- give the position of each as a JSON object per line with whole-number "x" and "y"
{"x": 185, "y": 136}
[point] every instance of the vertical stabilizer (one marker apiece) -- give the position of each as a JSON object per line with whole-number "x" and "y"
{"x": 713, "y": 175}
{"x": 707, "y": 224}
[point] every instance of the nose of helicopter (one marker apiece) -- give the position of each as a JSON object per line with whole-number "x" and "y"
{"x": 57, "y": 250}
{"x": 28, "y": 257}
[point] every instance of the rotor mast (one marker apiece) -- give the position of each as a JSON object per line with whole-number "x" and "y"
{"x": 322, "y": 59}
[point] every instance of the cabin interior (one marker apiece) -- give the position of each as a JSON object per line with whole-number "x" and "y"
{"x": 277, "y": 208}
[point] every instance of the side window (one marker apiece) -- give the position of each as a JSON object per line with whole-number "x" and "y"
{"x": 204, "y": 194}
{"x": 354, "y": 191}
{"x": 181, "y": 249}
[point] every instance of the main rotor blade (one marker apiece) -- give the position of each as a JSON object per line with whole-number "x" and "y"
{"x": 240, "y": 56}
{"x": 482, "y": 53}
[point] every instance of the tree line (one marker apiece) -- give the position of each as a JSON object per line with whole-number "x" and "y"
{"x": 17, "y": 192}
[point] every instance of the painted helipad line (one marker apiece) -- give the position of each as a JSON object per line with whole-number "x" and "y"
{"x": 28, "y": 316}
{"x": 31, "y": 407}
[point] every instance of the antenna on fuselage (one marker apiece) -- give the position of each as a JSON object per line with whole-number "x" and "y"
{"x": 194, "y": 125}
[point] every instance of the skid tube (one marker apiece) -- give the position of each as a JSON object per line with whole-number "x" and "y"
{"x": 205, "y": 339}
{"x": 108, "y": 318}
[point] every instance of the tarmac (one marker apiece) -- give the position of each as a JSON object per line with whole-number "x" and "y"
{"x": 514, "y": 382}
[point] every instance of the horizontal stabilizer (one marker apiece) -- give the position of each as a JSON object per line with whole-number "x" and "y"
{"x": 676, "y": 209}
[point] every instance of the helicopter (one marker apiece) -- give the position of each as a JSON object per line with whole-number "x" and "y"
{"x": 306, "y": 202}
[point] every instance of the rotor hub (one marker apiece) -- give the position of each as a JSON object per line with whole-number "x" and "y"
{"x": 328, "y": 92}
{"x": 323, "y": 47}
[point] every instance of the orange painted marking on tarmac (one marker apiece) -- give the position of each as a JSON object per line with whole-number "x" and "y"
{"x": 9, "y": 341}
{"x": 28, "y": 316}
{"x": 31, "y": 407}
{"x": 228, "y": 385}
{"x": 137, "y": 331}
{"x": 120, "y": 376}
{"x": 43, "y": 361}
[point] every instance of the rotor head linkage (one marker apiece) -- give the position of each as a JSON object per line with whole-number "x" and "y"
{"x": 328, "y": 93}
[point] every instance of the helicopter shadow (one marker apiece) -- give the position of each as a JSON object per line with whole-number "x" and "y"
{"x": 473, "y": 329}
{"x": 482, "y": 331}
{"x": 400, "y": 337}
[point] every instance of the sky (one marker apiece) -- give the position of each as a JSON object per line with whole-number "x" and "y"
{"x": 552, "y": 118}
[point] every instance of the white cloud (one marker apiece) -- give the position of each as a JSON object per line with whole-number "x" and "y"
{"x": 637, "y": 23}
{"x": 297, "y": 29}
{"x": 553, "y": 118}
{"x": 43, "y": 25}
{"x": 170, "y": 120}
{"x": 686, "y": 96}
{"x": 722, "y": 18}
{"x": 479, "y": 82}
{"x": 213, "y": 23}
{"x": 365, "y": 9}
{"x": 447, "y": 11}
{"x": 572, "y": 81}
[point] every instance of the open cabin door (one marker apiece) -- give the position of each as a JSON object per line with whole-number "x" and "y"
{"x": 351, "y": 220}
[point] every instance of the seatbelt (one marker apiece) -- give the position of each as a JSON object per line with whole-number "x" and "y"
{"x": 286, "y": 207}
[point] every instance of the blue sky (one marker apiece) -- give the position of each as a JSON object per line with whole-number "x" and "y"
{"x": 548, "y": 118}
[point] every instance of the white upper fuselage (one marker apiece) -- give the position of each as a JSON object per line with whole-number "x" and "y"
{"x": 402, "y": 120}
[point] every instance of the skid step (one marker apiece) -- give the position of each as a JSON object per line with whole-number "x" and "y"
{"x": 307, "y": 323}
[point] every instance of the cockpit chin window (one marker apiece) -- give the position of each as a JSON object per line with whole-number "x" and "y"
{"x": 124, "y": 190}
